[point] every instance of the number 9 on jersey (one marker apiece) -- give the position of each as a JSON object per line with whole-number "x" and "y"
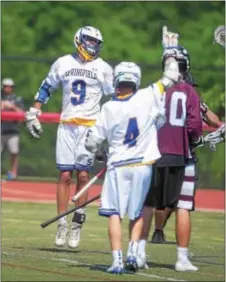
{"x": 79, "y": 90}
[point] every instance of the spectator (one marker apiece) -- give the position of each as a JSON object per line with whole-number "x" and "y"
{"x": 9, "y": 129}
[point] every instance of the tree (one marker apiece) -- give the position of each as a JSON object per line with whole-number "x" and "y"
{"x": 132, "y": 32}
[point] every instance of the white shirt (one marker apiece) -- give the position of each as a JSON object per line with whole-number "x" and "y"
{"x": 83, "y": 84}
{"x": 130, "y": 127}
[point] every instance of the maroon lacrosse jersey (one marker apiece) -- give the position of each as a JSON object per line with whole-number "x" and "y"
{"x": 183, "y": 121}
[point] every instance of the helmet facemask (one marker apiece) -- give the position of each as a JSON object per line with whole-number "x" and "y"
{"x": 182, "y": 57}
{"x": 125, "y": 85}
{"x": 89, "y": 47}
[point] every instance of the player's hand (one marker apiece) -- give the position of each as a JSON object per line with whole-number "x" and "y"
{"x": 101, "y": 156}
{"x": 160, "y": 119}
{"x": 215, "y": 137}
{"x": 169, "y": 39}
{"x": 198, "y": 143}
{"x": 171, "y": 73}
{"x": 33, "y": 123}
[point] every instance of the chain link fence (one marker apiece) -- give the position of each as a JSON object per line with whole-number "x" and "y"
{"x": 37, "y": 157}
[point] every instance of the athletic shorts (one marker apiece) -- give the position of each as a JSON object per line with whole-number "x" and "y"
{"x": 187, "y": 195}
{"x": 166, "y": 186}
{"x": 71, "y": 153}
{"x": 12, "y": 142}
{"x": 124, "y": 191}
{"x": 185, "y": 199}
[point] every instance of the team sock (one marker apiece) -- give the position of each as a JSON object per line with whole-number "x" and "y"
{"x": 132, "y": 248}
{"x": 63, "y": 220}
{"x": 158, "y": 230}
{"x": 142, "y": 247}
{"x": 182, "y": 254}
{"x": 117, "y": 257}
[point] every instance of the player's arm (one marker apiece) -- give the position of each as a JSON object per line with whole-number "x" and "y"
{"x": 209, "y": 117}
{"x": 107, "y": 83}
{"x": 97, "y": 134}
{"x": 171, "y": 76}
{"x": 194, "y": 120}
{"x": 48, "y": 86}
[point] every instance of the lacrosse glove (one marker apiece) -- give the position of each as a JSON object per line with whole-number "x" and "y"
{"x": 32, "y": 122}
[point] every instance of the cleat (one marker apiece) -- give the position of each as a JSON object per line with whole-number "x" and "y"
{"x": 131, "y": 263}
{"x": 185, "y": 266}
{"x": 74, "y": 235}
{"x": 116, "y": 269}
{"x": 61, "y": 235}
{"x": 158, "y": 237}
{"x": 141, "y": 262}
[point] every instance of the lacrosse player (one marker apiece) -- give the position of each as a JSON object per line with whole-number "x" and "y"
{"x": 173, "y": 182}
{"x": 211, "y": 119}
{"x": 84, "y": 78}
{"x": 129, "y": 123}
{"x": 162, "y": 216}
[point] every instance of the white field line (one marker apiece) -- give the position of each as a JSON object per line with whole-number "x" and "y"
{"x": 162, "y": 278}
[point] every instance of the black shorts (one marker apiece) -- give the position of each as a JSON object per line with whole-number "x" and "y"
{"x": 165, "y": 187}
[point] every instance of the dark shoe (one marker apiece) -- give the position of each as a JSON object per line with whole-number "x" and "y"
{"x": 131, "y": 263}
{"x": 158, "y": 237}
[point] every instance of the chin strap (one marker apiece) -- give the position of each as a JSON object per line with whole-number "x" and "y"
{"x": 86, "y": 56}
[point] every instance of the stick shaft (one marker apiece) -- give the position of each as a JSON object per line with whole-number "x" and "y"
{"x": 87, "y": 186}
{"x": 48, "y": 222}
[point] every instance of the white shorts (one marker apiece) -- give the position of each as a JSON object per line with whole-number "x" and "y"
{"x": 11, "y": 141}
{"x": 71, "y": 153}
{"x": 124, "y": 191}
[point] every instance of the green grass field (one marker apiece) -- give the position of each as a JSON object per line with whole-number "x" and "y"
{"x": 28, "y": 252}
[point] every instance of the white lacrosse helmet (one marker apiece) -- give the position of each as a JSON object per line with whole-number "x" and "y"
{"x": 88, "y": 40}
{"x": 8, "y": 82}
{"x": 127, "y": 72}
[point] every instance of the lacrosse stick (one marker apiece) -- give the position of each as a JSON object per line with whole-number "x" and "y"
{"x": 48, "y": 222}
{"x": 215, "y": 137}
{"x": 169, "y": 39}
{"x": 88, "y": 185}
{"x": 219, "y": 35}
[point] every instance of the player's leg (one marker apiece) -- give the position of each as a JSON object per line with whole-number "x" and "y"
{"x": 158, "y": 236}
{"x": 110, "y": 207}
{"x": 161, "y": 218}
{"x": 147, "y": 214}
{"x": 83, "y": 163}
{"x": 79, "y": 216}
{"x": 13, "y": 148}
{"x": 140, "y": 183}
{"x": 167, "y": 214}
{"x": 65, "y": 163}
{"x": 183, "y": 220}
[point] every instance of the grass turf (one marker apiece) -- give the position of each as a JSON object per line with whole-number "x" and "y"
{"x": 28, "y": 252}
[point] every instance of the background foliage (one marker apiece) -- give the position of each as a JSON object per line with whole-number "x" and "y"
{"x": 132, "y": 31}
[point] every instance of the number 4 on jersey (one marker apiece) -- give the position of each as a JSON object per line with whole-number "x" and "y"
{"x": 131, "y": 133}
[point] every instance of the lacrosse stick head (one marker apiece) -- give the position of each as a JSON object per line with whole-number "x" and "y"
{"x": 169, "y": 39}
{"x": 219, "y": 35}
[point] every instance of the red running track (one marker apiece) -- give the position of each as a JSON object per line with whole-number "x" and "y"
{"x": 212, "y": 200}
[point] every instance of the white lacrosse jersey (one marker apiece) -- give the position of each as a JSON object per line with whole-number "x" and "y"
{"x": 83, "y": 84}
{"x": 130, "y": 126}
